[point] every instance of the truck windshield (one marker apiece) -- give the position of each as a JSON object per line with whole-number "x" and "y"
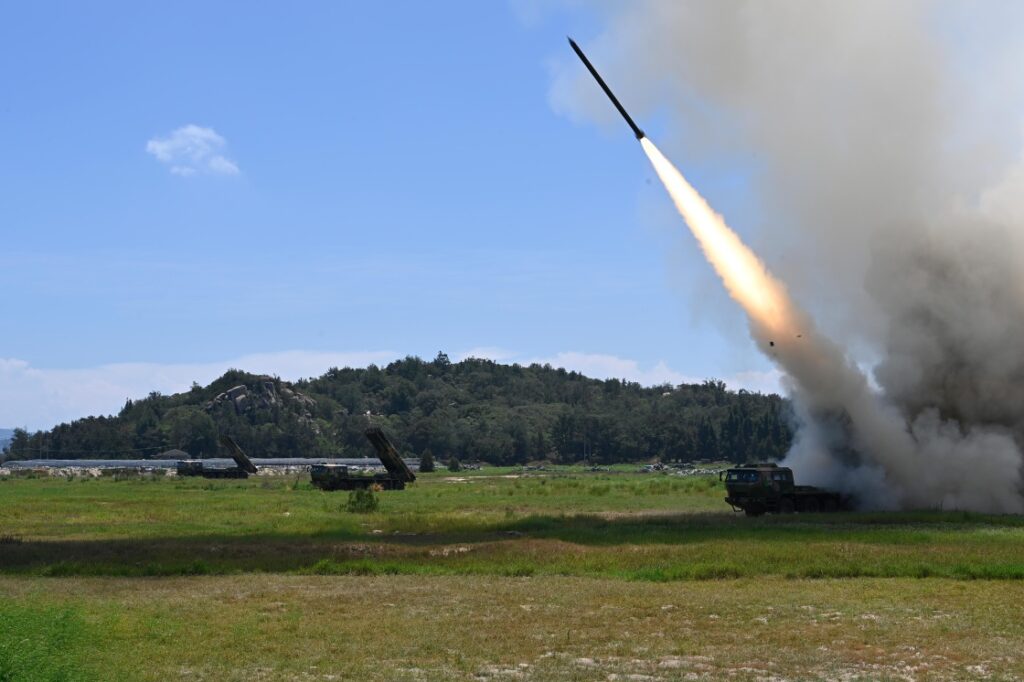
{"x": 742, "y": 476}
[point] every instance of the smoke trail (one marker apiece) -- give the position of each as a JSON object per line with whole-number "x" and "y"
{"x": 884, "y": 136}
{"x": 852, "y": 440}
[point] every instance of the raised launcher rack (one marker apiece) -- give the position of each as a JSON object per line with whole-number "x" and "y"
{"x": 339, "y": 477}
{"x": 197, "y": 467}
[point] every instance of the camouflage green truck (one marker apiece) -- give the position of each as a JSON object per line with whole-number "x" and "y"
{"x": 766, "y": 487}
{"x": 197, "y": 467}
{"x": 397, "y": 473}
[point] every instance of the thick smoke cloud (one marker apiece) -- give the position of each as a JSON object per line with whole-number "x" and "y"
{"x": 886, "y": 138}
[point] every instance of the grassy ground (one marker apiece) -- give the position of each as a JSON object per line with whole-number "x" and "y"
{"x": 647, "y": 527}
{"x": 490, "y": 575}
{"x": 487, "y": 628}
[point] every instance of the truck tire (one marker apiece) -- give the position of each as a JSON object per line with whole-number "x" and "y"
{"x": 812, "y": 505}
{"x": 830, "y": 505}
{"x": 786, "y": 506}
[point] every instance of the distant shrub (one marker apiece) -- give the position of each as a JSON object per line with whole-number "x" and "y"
{"x": 197, "y": 567}
{"x": 427, "y": 462}
{"x": 362, "y": 501}
{"x": 454, "y": 464}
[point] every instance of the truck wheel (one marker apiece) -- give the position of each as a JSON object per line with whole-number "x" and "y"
{"x": 786, "y": 506}
{"x": 830, "y": 505}
{"x": 811, "y": 505}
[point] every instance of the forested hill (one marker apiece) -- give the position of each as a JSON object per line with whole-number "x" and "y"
{"x": 472, "y": 410}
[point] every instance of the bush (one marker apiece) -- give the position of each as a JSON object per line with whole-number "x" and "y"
{"x": 454, "y": 465}
{"x": 427, "y": 462}
{"x": 362, "y": 501}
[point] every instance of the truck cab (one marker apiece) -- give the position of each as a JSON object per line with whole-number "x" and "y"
{"x": 765, "y": 487}
{"x": 751, "y": 487}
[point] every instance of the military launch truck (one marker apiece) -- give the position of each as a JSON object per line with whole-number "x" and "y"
{"x": 197, "y": 467}
{"x": 766, "y": 487}
{"x": 341, "y": 477}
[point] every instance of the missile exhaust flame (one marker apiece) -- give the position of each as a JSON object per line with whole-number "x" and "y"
{"x": 781, "y": 329}
{"x": 744, "y": 275}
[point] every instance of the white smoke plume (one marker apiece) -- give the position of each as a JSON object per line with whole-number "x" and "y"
{"x": 886, "y": 137}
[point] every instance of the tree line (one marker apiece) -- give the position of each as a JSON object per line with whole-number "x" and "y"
{"x": 474, "y": 410}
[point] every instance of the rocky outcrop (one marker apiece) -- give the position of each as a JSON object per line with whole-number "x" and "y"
{"x": 264, "y": 393}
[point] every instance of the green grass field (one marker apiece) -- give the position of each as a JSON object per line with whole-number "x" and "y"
{"x": 562, "y": 574}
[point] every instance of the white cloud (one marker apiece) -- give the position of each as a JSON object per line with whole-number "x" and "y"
{"x": 604, "y": 366}
{"x": 486, "y": 353}
{"x": 756, "y": 381}
{"x": 601, "y": 366}
{"x": 193, "y": 149}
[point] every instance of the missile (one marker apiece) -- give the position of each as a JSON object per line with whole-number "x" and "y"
{"x": 604, "y": 86}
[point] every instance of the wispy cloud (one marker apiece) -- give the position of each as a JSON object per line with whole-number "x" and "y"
{"x": 771, "y": 381}
{"x": 487, "y": 353}
{"x": 605, "y": 366}
{"x": 192, "y": 150}
{"x": 602, "y": 366}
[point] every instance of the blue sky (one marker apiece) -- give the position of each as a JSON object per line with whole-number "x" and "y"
{"x": 371, "y": 180}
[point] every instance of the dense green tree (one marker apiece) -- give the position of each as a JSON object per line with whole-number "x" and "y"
{"x": 427, "y": 462}
{"x": 191, "y": 429}
{"x": 471, "y": 410}
{"x": 20, "y": 446}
